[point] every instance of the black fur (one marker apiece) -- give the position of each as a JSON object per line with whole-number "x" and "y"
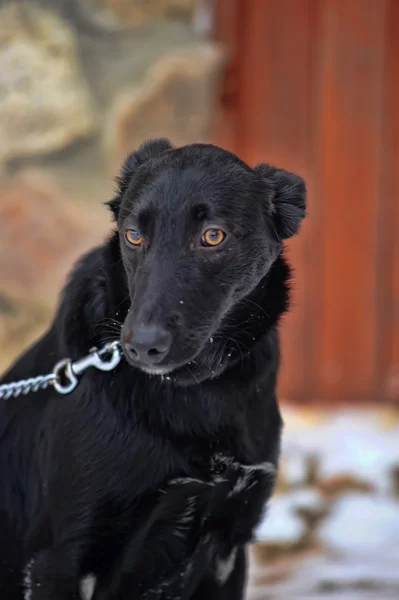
{"x": 154, "y": 483}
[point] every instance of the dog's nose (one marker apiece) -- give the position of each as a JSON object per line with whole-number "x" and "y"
{"x": 149, "y": 344}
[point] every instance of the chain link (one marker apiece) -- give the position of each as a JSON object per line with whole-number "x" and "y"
{"x": 25, "y": 386}
{"x": 65, "y": 375}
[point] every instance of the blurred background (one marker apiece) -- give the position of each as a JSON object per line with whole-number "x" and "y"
{"x": 310, "y": 85}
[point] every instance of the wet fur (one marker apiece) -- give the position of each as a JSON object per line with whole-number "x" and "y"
{"x": 145, "y": 486}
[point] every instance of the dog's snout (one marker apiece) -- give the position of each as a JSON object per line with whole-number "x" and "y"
{"x": 148, "y": 344}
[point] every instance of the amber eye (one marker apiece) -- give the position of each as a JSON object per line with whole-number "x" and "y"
{"x": 213, "y": 237}
{"x": 133, "y": 237}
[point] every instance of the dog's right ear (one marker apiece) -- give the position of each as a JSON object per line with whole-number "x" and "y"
{"x": 148, "y": 150}
{"x": 285, "y": 201}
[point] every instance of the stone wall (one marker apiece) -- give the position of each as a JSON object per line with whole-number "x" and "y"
{"x": 82, "y": 83}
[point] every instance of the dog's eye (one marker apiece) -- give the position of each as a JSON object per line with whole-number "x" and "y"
{"x": 213, "y": 237}
{"x": 133, "y": 237}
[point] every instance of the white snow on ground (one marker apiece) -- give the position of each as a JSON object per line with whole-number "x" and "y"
{"x": 281, "y": 523}
{"x": 363, "y": 525}
{"x": 355, "y": 552}
{"x": 328, "y": 577}
{"x": 351, "y": 442}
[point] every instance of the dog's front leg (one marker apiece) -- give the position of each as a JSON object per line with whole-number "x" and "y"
{"x": 168, "y": 556}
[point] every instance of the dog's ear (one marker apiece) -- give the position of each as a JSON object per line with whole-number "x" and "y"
{"x": 286, "y": 199}
{"x": 148, "y": 150}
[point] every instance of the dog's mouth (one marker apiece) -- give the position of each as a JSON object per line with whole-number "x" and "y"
{"x": 165, "y": 368}
{"x": 157, "y": 369}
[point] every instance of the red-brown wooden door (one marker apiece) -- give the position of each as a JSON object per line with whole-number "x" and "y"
{"x": 313, "y": 86}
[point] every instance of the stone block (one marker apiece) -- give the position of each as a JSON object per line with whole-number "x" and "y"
{"x": 41, "y": 234}
{"x": 20, "y": 324}
{"x": 45, "y": 103}
{"x": 114, "y": 15}
{"x": 177, "y": 100}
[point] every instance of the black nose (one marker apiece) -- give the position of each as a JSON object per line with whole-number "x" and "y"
{"x": 148, "y": 344}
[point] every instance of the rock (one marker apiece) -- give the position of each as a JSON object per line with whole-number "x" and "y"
{"x": 114, "y": 15}
{"x": 395, "y": 481}
{"x": 363, "y": 525}
{"x": 289, "y": 524}
{"x": 45, "y": 103}
{"x": 284, "y": 520}
{"x": 336, "y": 485}
{"x": 311, "y": 507}
{"x": 20, "y": 324}
{"x": 176, "y": 100}
{"x": 298, "y": 469}
{"x": 41, "y": 234}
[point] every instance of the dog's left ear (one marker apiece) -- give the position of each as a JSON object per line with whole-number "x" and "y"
{"x": 286, "y": 199}
{"x": 148, "y": 150}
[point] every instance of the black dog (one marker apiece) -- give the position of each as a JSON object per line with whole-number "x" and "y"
{"x": 148, "y": 481}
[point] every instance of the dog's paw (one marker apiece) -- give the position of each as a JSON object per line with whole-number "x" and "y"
{"x": 240, "y": 475}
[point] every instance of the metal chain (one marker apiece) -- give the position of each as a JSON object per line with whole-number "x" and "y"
{"x": 65, "y": 374}
{"x": 23, "y": 387}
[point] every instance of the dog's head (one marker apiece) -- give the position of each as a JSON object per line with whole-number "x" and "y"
{"x": 198, "y": 229}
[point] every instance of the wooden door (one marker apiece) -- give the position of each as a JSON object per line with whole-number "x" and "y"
{"x": 313, "y": 86}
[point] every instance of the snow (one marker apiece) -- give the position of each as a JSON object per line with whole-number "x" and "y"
{"x": 354, "y": 548}
{"x": 349, "y": 442}
{"x": 363, "y": 525}
{"x": 281, "y": 525}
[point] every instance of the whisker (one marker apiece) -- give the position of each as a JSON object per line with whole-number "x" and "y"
{"x": 248, "y": 301}
{"x": 193, "y": 374}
